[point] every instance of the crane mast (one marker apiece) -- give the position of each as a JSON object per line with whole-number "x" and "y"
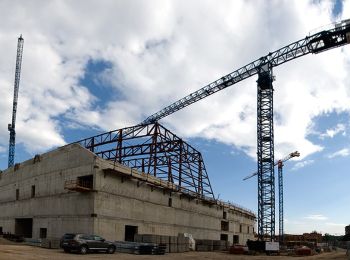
{"x": 280, "y": 200}
{"x": 12, "y": 126}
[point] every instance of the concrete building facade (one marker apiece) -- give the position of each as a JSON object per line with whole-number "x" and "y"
{"x": 71, "y": 189}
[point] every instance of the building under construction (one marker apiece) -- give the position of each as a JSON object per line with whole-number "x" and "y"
{"x": 137, "y": 180}
{"x": 144, "y": 179}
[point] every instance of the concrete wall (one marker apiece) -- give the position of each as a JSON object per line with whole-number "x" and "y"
{"x": 52, "y": 206}
{"x": 121, "y": 201}
{"x": 115, "y": 201}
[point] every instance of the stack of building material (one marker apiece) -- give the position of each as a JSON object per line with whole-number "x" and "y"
{"x": 220, "y": 245}
{"x": 204, "y": 245}
{"x": 149, "y": 238}
{"x": 32, "y": 242}
{"x": 183, "y": 243}
{"x": 165, "y": 240}
{"x": 162, "y": 241}
{"x": 173, "y": 244}
{"x": 212, "y": 245}
{"x": 139, "y": 248}
{"x": 50, "y": 243}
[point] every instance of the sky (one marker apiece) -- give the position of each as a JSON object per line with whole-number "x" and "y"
{"x": 93, "y": 66}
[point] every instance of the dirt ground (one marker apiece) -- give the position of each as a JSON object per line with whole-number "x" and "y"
{"x": 10, "y": 250}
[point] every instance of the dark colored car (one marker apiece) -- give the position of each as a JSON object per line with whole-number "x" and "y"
{"x": 84, "y": 243}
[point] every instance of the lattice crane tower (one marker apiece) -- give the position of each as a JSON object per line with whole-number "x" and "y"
{"x": 12, "y": 126}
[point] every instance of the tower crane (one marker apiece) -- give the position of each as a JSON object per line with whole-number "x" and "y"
{"x": 280, "y": 165}
{"x": 336, "y": 36}
{"x": 12, "y": 126}
{"x": 280, "y": 195}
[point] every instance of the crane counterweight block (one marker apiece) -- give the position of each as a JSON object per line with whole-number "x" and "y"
{"x": 329, "y": 39}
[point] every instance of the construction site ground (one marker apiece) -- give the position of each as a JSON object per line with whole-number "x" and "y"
{"x": 11, "y": 250}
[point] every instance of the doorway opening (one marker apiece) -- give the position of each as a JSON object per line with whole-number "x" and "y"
{"x": 43, "y": 232}
{"x": 224, "y": 237}
{"x": 130, "y": 232}
{"x": 235, "y": 239}
{"x": 24, "y": 227}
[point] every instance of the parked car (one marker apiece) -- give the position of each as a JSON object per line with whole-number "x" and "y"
{"x": 85, "y": 243}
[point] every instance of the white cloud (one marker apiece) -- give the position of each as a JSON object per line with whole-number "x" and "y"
{"x": 317, "y": 222}
{"x": 2, "y": 149}
{"x": 339, "y": 128}
{"x": 316, "y": 217}
{"x": 302, "y": 164}
{"x": 336, "y": 224}
{"x": 160, "y": 51}
{"x": 343, "y": 153}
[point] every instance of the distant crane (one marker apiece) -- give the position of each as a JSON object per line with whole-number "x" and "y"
{"x": 289, "y": 156}
{"x": 280, "y": 195}
{"x": 12, "y": 126}
{"x": 280, "y": 165}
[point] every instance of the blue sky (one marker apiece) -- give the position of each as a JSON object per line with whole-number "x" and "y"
{"x": 103, "y": 65}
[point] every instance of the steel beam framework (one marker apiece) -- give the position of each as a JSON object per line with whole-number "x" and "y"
{"x": 280, "y": 202}
{"x": 153, "y": 149}
{"x": 265, "y": 145}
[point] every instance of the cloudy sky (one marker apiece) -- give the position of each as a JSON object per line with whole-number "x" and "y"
{"x": 93, "y": 66}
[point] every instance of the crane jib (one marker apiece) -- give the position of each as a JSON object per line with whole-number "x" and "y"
{"x": 337, "y": 36}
